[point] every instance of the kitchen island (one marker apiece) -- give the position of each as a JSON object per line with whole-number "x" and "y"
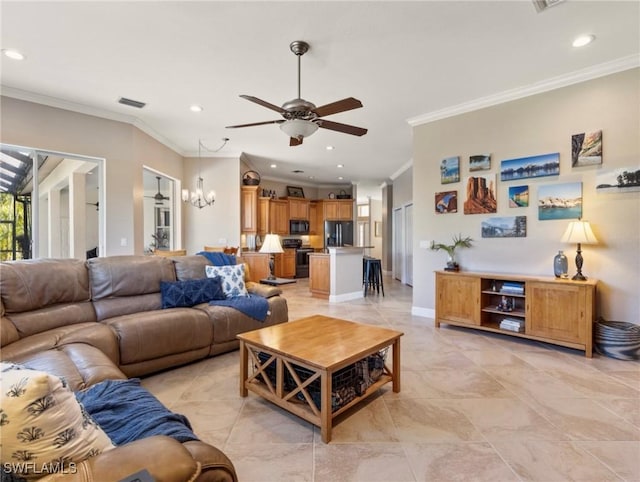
{"x": 337, "y": 275}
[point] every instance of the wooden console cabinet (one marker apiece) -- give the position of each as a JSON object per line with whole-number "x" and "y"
{"x": 552, "y": 310}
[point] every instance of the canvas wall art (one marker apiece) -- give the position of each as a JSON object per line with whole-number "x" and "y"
{"x": 518, "y": 196}
{"x": 533, "y": 166}
{"x": 480, "y": 162}
{"x": 586, "y": 149}
{"x": 505, "y": 227}
{"x": 560, "y": 201}
{"x": 625, "y": 179}
{"x": 450, "y": 170}
{"x": 446, "y": 202}
{"x": 481, "y": 195}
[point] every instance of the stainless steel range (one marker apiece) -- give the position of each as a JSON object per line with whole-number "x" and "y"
{"x": 302, "y": 256}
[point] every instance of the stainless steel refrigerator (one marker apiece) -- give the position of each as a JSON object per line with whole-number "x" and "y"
{"x": 338, "y": 233}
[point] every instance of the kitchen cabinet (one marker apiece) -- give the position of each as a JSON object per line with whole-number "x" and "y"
{"x": 285, "y": 264}
{"x": 313, "y": 218}
{"x": 319, "y": 281}
{"x": 338, "y": 210}
{"x": 551, "y": 310}
{"x": 263, "y": 215}
{"x": 299, "y": 209}
{"x": 249, "y": 210}
{"x": 258, "y": 264}
{"x": 279, "y": 217}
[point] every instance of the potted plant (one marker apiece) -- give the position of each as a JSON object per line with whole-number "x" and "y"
{"x": 458, "y": 242}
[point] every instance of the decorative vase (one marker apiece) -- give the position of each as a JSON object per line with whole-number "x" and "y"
{"x": 560, "y": 265}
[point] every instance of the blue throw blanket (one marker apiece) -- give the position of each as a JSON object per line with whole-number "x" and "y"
{"x": 126, "y": 412}
{"x": 218, "y": 259}
{"x": 253, "y": 305}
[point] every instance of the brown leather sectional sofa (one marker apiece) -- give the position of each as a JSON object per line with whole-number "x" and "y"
{"x": 102, "y": 319}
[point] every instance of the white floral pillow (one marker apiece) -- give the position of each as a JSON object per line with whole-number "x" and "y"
{"x": 232, "y": 279}
{"x": 43, "y": 427}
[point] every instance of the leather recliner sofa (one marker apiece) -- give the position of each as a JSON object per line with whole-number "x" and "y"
{"x": 103, "y": 319}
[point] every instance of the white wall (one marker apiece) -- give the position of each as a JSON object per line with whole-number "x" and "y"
{"x": 403, "y": 188}
{"x": 125, "y": 148}
{"x": 218, "y": 224}
{"x": 534, "y": 125}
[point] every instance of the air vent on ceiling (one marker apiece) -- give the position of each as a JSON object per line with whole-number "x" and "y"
{"x": 131, "y": 103}
{"x": 297, "y": 171}
{"x": 542, "y": 5}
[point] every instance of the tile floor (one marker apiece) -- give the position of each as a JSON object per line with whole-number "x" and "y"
{"x": 473, "y": 407}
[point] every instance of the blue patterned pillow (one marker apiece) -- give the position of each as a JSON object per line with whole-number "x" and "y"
{"x": 232, "y": 279}
{"x": 190, "y": 292}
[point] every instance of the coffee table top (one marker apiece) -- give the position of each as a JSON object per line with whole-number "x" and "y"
{"x": 322, "y": 341}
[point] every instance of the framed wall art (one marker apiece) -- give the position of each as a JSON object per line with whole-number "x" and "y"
{"x": 505, "y": 227}
{"x": 446, "y": 202}
{"x": 294, "y": 191}
{"x": 534, "y": 166}
{"x": 481, "y": 195}
{"x": 586, "y": 149}
{"x": 626, "y": 179}
{"x": 560, "y": 201}
{"x": 480, "y": 162}
{"x": 518, "y": 196}
{"x": 450, "y": 170}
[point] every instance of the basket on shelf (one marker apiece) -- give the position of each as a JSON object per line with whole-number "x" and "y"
{"x": 343, "y": 195}
{"x": 617, "y": 339}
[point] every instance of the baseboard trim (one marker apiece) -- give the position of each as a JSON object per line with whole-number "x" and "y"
{"x": 424, "y": 312}
{"x": 354, "y": 295}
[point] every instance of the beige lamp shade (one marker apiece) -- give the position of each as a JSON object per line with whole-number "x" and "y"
{"x": 271, "y": 244}
{"x": 579, "y": 232}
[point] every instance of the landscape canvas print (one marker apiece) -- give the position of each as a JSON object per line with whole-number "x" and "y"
{"x": 450, "y": 170}
{"x": 560, "y": 201}
{"x": 534, "y": 166}
{"x": 518, "y": 196}
{"x": 586, "y": 149}
{"x": 505, "y": 227}
{"x": 481, "y": 162}
{"x": 481, "y": 195}
{"x": 626, "y": 179}
{"x": 446, "y": 202}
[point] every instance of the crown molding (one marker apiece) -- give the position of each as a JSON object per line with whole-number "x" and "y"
{"x": 403, "y": 168}
{"x": 600, "y": 70}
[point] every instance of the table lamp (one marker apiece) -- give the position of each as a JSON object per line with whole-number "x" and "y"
{"x": 271, "y": 245}
{"x": 579, "y": 232}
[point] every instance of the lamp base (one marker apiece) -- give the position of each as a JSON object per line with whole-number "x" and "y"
{"x": 579, "y": 277}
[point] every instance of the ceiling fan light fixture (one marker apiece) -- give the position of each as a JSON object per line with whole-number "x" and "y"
{"x": 298, "y": 128}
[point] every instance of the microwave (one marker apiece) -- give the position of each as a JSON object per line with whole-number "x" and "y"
{"x": 298, "y": 226}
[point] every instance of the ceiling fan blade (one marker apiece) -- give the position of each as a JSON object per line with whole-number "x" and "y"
{"x": 339, "y": 106}
{"x": 294, "y": 141}
{"x": 345, "y": 128}
{"x": 263, "y": 103}
{"x": 257, "y": 124}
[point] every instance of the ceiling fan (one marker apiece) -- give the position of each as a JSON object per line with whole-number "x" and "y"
{"x": 159, "y": 197}
{"x": 302, "y": 118}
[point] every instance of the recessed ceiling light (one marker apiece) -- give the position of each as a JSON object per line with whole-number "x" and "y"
{"x": 340, "y": 166}
{"x": 583, "y": 40}
{"x": 273, "y": 166}
{"x": 13, "y": 54}
{"x": 310, "y": 177}
{"x": 330, "y": 148}
{"x": 196, "y": 108}
{"x": 340, "y": 177}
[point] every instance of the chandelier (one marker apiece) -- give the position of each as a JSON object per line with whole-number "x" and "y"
{"x": 197, "y": 197}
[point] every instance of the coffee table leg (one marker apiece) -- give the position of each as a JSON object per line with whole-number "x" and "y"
{"x": 244, "y": 368}
{"x": 325, "y": 406}
{"x": 396, "y": 365}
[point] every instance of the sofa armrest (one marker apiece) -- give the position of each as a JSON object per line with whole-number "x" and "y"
{"x": 164, "y": 458}
{"x": 265, "y": 291}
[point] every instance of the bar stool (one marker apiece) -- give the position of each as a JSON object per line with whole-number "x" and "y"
{"x": 372, "y": 275}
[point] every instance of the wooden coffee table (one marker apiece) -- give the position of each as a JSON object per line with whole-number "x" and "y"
{"x": 321, "y": 346}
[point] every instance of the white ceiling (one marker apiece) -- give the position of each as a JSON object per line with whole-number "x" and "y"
{"x": 403, "y": 60}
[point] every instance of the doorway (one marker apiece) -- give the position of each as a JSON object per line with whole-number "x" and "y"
{"x": 160, "y": 219}
{"x": 403, "y": 244}
{"x": 50, "y": 204}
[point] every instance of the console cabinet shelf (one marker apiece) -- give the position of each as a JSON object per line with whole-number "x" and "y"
{"x": 551, "y": 310}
